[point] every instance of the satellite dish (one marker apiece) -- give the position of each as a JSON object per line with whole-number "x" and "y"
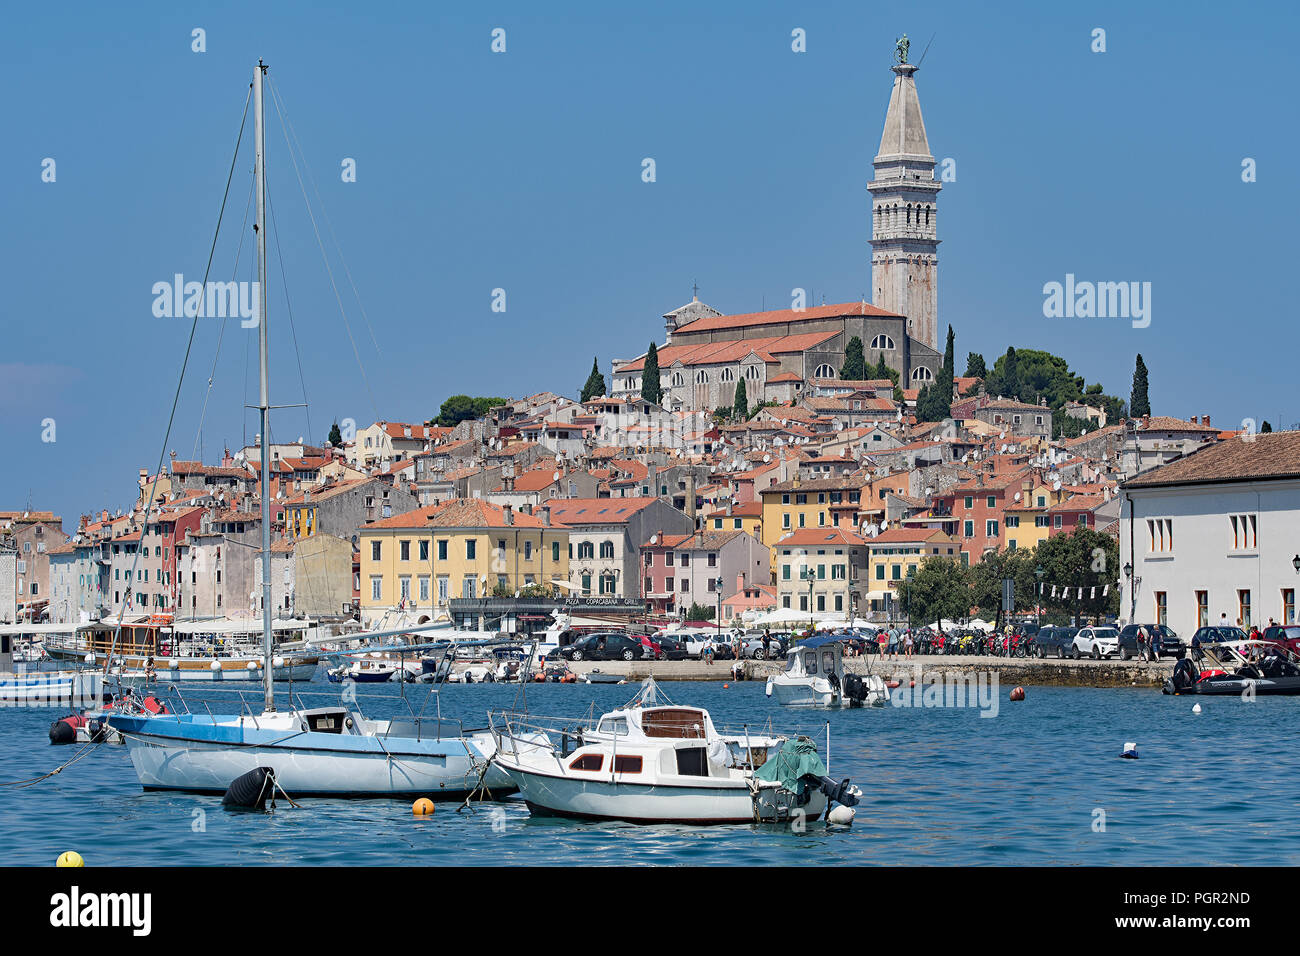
{"x": 1056, "y": 485}
{"x": 1004, "y": 449}
{"x": 555, "y": 476}
{"x": 963, "y": 459}
{"x": 1017, "y": 497}
{"x": 766, "y": 459}
{"x": 654, "y": 539}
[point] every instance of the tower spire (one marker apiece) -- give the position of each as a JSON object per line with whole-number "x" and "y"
{"x": 904, "y": 206}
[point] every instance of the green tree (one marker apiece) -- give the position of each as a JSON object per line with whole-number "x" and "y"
{"x": 1139, "y": 402}
{"x": 934, "y": 403}
{"x": 1084, "y": 559}
{"x": 740, "y": 407}
{"x": 1265, "y": 428}
{"x": 855, "y": 362}
{"x": 336, "y": 436}
{"x": 975, "y": 366}
{"x": 986, "y": 579}
{"x": 651, "y": 389}
{"x": 595, "y": 386}
{"x": 459, "y": 408}
{"x": 699, "y": 612}
{"x": 938, "y": 590}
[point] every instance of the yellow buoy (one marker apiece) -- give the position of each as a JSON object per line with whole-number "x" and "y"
{"x": 70, "y": 858}
{"x": 422, "y": 807}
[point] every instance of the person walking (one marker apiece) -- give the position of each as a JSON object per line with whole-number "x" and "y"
{"x": 908, "y": 645}
{"x": 893, "y": 643}
{"x": 1142, "y": 640}
{"x": 882, "y": 642}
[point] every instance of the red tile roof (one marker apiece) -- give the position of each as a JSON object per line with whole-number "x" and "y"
{"x": 781, "y": 316}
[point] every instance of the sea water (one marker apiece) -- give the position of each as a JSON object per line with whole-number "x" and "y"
{"x": 1042, "y": 782}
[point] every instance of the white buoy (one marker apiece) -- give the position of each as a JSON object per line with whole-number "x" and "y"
{"x": 1130, "y": 751}
{"x": 840, "y": 815}
{"x": 1196, "y": 708}
{"x": 90, "y": 658}
{"x": 215, "y": 666}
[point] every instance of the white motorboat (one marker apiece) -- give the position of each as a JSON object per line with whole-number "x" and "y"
{"x": 815, "y": 676}
{"x": 651, "y": 763}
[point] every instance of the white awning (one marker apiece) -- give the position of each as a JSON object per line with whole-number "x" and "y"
{"x": 226, "y": 626}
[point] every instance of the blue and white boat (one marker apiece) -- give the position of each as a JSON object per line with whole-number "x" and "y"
{"x": 325, "y": 751}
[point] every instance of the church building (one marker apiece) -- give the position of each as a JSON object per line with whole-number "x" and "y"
{"x": 777, "y": 353}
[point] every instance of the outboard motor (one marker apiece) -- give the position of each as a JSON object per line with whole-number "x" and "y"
{"x": 251, "y": 790}
{"x": 855, "y": 688}
{"x": 1184, "y": 676}
{"x": 842, "y": 792}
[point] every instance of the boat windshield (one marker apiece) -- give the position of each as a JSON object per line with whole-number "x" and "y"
{"x": 613, "y": 725}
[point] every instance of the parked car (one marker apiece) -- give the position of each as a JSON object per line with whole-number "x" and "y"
{"x": 603, "y": 646}
{"x": 752, "y": 646}
{"x": 670, "y": 648}
{"x": 653, "y": 648}
{"x": 1167, "y": 643}
{"x": 1288, "y": 635}
{"x": 694, "y": 641}
{"x": 1095, "y": 642}
{"x": 1053, "y": 640}
{"x": 1216, "y": 635}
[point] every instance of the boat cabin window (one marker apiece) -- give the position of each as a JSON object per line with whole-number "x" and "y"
{"x": 587, "y": 762}
{"x": 692, "y": 762}
{"x": 810, "y": 662}
{"x": 627, "y": 764}
{"x": 674, "y": 722}
{"x": 328, "y": 722}
{"x": 613, "y": 725}
{"x": 828, "y": 662}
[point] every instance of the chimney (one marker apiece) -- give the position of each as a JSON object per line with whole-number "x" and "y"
{"x": 1205, "y": 419}
{"x": 740, "y": 583}
{"x": 546, "y": 516}
{"x": 509, "y": 513}
{"x": 1193, "y": 420}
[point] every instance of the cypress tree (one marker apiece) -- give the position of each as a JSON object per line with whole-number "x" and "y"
{"x": 1139, "y": 403}
{"x": 740, "y": 407}
{"x": 975, "y": 367}
{"x": 336, "y": 436}
{"x": 651, "y": 389}
{"x": 855, "y": 363}
{"x": 595, "y": 386}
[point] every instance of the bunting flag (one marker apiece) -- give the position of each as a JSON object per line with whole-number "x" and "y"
{"x": 1053, "y": 590}
{"x": 1093, "y": 595}
{"x": 1105, "y": 590}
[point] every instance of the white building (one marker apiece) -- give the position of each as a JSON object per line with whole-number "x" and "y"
{"x": 1217, "y": 532}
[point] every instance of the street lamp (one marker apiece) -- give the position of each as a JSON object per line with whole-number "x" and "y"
{"x": 1038, "y": 605}
{"x": 810, "y": 577}
{"x": 1295, "y": 563}
{"x": 718, "y": 584}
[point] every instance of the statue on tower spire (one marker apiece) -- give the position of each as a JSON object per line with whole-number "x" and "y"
{"x": 901, "y": 48}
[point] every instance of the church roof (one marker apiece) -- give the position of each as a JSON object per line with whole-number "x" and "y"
{"x": 904, "y": 133}
{"x": 734, "y": 350}
{"x": 780, "y": 317}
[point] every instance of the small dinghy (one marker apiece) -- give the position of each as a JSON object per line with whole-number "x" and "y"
{"x": 1238, "y": 667}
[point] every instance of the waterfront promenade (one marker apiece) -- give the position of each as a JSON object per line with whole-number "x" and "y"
{"x": 1011, "y": 671}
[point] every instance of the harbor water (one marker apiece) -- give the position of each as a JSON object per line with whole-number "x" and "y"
{"x": 1041, "y": 782}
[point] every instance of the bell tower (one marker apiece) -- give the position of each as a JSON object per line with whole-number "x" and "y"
{"x": 904, "y": 206}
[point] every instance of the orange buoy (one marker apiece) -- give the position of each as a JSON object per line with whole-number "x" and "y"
{"x": 422, "y": 807}
{"x": 725, "y": 686}
{"x": 911, "y": 683}
{"x": 1017, "y": 693}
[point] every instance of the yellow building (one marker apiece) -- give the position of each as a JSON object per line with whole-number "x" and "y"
{"x": 1025, "y": 521}
{"x": 747, "y": 517}
{"x": 463, "y": 548}
{"x": 816, "y": 503}
{"x": 893, "y": 557}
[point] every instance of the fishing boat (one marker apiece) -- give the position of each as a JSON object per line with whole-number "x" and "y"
{"x": 1238, "y": 667}
{"x": 648, "y": 762}
{"x": 815, "y": 676}
{"x": 325, "y": 751}
{"x": 363, "y": 672}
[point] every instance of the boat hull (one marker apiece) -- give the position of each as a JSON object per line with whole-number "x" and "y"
{"x": 169, "y": 756}
{"x": 1232, "y": 686}
{"x": 548, "y": 795}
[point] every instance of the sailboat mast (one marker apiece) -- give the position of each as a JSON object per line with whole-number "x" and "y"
{"x": 264, "y": 400}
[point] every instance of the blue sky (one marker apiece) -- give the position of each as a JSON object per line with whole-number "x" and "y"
{"x": 522, "y": 171}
